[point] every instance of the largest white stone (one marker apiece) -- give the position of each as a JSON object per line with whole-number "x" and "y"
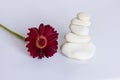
{"x": 80, "y": 51}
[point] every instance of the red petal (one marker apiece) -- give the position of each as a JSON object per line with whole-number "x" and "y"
{"x": 48, "y": 51}
{"x": 34, "y": 52}
{"x": 41, "y": 29}
{"x": 48, "y": 30}
{"x": 32, "y": 35}
{"x": 53, "y": 37}
{"x": 53, "y": 44}
{"x": 40, "y": 54}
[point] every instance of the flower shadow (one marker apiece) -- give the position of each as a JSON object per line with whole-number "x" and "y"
{"x": 20, "y": 45}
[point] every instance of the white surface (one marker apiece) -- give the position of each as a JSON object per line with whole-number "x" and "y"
{"x": 18, "y": 15}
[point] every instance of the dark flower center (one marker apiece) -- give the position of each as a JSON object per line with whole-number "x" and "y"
{"x": 41, "y": 42}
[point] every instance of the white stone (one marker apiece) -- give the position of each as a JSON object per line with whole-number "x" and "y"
{"x": 78, "y": 45}
{"x": 80, "y": 22}
{"x": 73, "y": 38}
{"x": 79, "y": 30}
{"x": 79, "y": 51}
{"x": 83, "y": 16}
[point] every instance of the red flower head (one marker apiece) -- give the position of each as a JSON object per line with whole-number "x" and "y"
{"x": 42, "y": 41}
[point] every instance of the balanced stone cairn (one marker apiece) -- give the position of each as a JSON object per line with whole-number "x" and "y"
{"x": 78, "y": 43}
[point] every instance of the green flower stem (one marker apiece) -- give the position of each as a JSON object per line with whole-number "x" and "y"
{"x": 12, "y": 32}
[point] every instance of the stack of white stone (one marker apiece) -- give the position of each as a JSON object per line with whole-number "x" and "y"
{"x": 78, "y": 42}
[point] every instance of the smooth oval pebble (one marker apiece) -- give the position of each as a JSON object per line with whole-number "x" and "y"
{"x": 79, "y": 30}
{"x": 73, "y": 38}
{"x": 83, "y": 16}
{"x": 80, "y": 22}
{"x": 79, "y": 51}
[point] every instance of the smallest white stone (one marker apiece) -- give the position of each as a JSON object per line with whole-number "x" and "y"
{"x": 83, "y": 16}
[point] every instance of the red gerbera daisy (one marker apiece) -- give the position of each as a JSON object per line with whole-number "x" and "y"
{"x": 42, "y": 41}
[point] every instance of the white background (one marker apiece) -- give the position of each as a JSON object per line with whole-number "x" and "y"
{"x": 19, "y": 15}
